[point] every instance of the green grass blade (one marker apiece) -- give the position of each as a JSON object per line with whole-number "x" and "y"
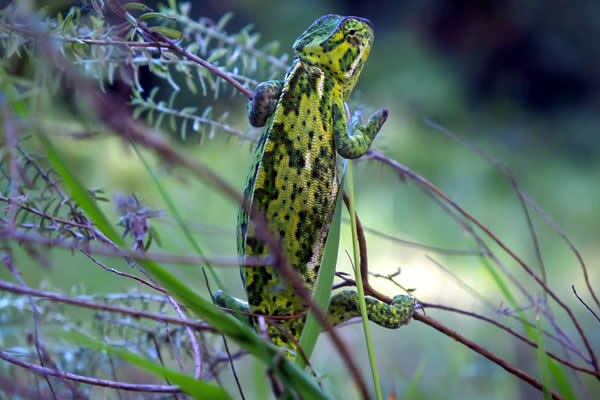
{"x": 537, "y": 335}
{"x": 173, "y": 210}
{"x": 561, "y": 380}
{"x": 542, "y": 360}
{"x": 412, "y": 391}
{"x": 322, "y": 292}
{"x": 220, "y": 320}
{"x": 196, "y": 388}
{"x": 359, "y": 284}
{"x": 78, "y": 192}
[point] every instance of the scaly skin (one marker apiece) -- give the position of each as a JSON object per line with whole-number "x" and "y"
{"x": 293, "y": 181}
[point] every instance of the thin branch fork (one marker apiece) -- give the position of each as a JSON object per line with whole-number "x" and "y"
{"x": 406, "y": 171}
{"x": 136, "y": 255}
{"x": 134, "y": 312}
{"x": 88, "y": 380}
{"x": 512, "y": 332}
{"x": 484, "y": 352}
{"x": 524, "y": 198}
{"x": 203, "y": 175}
{"x": 447, "y": 331}
{"x": 114, "y": 115}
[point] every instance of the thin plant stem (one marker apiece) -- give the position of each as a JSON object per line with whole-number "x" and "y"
{"x": 359, "y": 283}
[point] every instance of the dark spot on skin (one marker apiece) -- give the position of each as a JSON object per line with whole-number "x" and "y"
{"x": 347, "y": 59}
{"x": 296, "y": 160}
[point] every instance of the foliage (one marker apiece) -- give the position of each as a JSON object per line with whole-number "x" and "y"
{"x": 103, "y": 68}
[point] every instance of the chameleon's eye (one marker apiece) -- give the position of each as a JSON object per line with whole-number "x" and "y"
{"x": 351, "y": 32}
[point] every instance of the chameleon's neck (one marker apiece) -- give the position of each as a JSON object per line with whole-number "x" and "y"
{"x": 342, "y": 86}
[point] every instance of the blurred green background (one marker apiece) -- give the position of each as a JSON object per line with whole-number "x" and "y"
{"x": 518, "y": 79}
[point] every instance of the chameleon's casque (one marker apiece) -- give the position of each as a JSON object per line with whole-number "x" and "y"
{"x": 292, "y": 179}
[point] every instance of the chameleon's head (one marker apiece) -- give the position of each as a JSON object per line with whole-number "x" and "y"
{"x": 338, "y": 44}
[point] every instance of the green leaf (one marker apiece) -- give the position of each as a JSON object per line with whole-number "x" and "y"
{"x": 561, "y": 380}
{"x": 204, "y": 309}
{"x": 131, "y": 19}
{"x": 216, "y": 54}
{"x": 412, "y": 391}
{"x": 136, "y": 6}
{"x": 322, "y": 292}
{"x": 196, "y": 388}
{"x": 155, "y": 15}
{"x": 223, "y": 21}
{"x": 67, "y": 21}
{"x": 78, "y": 192}
{"x": 541, "y": 356}
{"x": 168, "y": 32}
{"x": 79, "y": 48}
{"x": 17, "y": 104}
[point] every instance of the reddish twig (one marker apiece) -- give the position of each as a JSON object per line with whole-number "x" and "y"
{"x": 89, "y": 380}
{"x": 584, "y": 303}
{"x": 564, "y": 342}
{"x": 20, "y": 236}
{"x": 115, "y": 271}
{"x": 394, "y": 164}
{"x": 408, "y": 243}
{"x": 9, "y": 287}
{"x": 510, "y": 331}
{"x": 526, "y": 198}
{"x": 484, "y": 352}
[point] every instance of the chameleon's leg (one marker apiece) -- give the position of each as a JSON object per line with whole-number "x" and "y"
{"x": 354, "y": 142}
{"x": 263, "y": 102}
{"x": 222, "y": 299}
{"x": 344, "y": 306}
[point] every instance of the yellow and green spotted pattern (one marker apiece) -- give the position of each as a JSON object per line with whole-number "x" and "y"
{"x": 292, "y": 179}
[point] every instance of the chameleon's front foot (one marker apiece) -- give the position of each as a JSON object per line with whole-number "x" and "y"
{"x": 356, "y": 143}
{"x": 263, "y": 102}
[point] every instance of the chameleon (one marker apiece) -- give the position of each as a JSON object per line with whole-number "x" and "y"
{"x": 293, "y": 177}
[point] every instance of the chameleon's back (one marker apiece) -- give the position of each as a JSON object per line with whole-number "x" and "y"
{"x": 292, "y": 180}
{"x": 294, "y": 185}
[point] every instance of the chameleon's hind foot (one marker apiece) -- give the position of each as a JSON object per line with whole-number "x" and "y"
{"x": 344, "y": 306}
{"x": 224, "y": 300}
